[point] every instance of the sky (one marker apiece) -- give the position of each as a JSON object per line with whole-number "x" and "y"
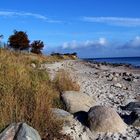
{"x": 92, "y": 28}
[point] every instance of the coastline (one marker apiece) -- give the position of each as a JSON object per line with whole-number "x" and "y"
{"x": 104, "y": 61}
{"x": 109, "y": 85}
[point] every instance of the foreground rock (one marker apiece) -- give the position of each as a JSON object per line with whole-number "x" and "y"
{"x": 72, "y": 127}
{"x": 76, "y": 130}
{"x": 19, "y": 131}
{"x": 105, "y": 119}
{"x": 134, "y": 117}
{"x": 61, "y": 114}
{"x": 132, "y": 106}
{"x": 75, "y": 101}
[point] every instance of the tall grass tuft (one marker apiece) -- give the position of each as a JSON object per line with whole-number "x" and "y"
{"x": 26, "y": 93}
{"x": 64, "y": 82}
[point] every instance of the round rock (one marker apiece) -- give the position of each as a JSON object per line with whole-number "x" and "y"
{"x": 76, "y": 101}
{"x": 105, "y": 119}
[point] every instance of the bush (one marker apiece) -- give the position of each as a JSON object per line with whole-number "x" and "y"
{"x": 37, "y": 46}
{"x": 19, "y": 40}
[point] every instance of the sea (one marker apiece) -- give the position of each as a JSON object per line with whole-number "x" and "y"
{"x": 134, "y": 61}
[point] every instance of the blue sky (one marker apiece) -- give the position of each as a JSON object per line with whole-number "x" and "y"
{"x": 93, "y": 28}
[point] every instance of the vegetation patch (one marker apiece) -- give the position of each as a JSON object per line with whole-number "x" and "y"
{"x": 27, "y": 94}
{"x": 64, "y": 82}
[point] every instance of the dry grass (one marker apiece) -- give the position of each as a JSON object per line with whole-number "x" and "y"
{"x": 26, "y": 94}
{"x": 63, "y": 82}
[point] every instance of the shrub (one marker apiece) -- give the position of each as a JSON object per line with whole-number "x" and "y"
{"x": 37, "y": 46}
{"x": 19, "y": 40}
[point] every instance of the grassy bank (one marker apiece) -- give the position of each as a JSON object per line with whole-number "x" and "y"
{"x": 27, "y": 94}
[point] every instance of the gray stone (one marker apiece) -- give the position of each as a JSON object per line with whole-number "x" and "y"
{"x": 62, "y": 114}
{"x": 118, "y": 85}
{"x": 132, "y": 106}
{"x": 105, "y": 119}
{"x": 115, "y": 79}
{"x": 76, "y": 101}
{"x": 19, "y": 131}
{"x": 10, "y": 132}
{"x": 27, "y": 133}
{"x": 116, "y": 74}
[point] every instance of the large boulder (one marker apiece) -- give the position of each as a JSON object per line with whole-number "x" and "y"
{"x": 19, "y": 131}
{"x": 105, "y": 119}
{"x": 76, "y": 101}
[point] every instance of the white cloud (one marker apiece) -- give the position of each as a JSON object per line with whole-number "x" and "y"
{"x": 86, "y": 44}
{"x": 134, "y": 43}
{"x": 27, "y": 14}
{"x": 118, "y": 21}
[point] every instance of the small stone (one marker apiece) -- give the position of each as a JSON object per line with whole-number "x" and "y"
{"x": 33, "y": 65}
{"x": 115, "y": 79}
{"x": 118, "y": 85}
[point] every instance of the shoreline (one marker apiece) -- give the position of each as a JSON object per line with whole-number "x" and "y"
{"x": 110, "y": 63}
{"x": 109, "y": 85}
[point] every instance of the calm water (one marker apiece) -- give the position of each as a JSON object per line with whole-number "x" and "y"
{"x": 135, "y": 61}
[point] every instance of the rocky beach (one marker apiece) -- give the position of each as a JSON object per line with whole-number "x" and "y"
{"x": 107, "y": 107}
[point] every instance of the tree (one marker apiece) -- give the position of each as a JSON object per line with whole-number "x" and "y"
{"x": 1, "y": 37}
{"x": 74, "y": 53}
{"x": 37, "y": 46}
{"x": 19, "y": 40}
